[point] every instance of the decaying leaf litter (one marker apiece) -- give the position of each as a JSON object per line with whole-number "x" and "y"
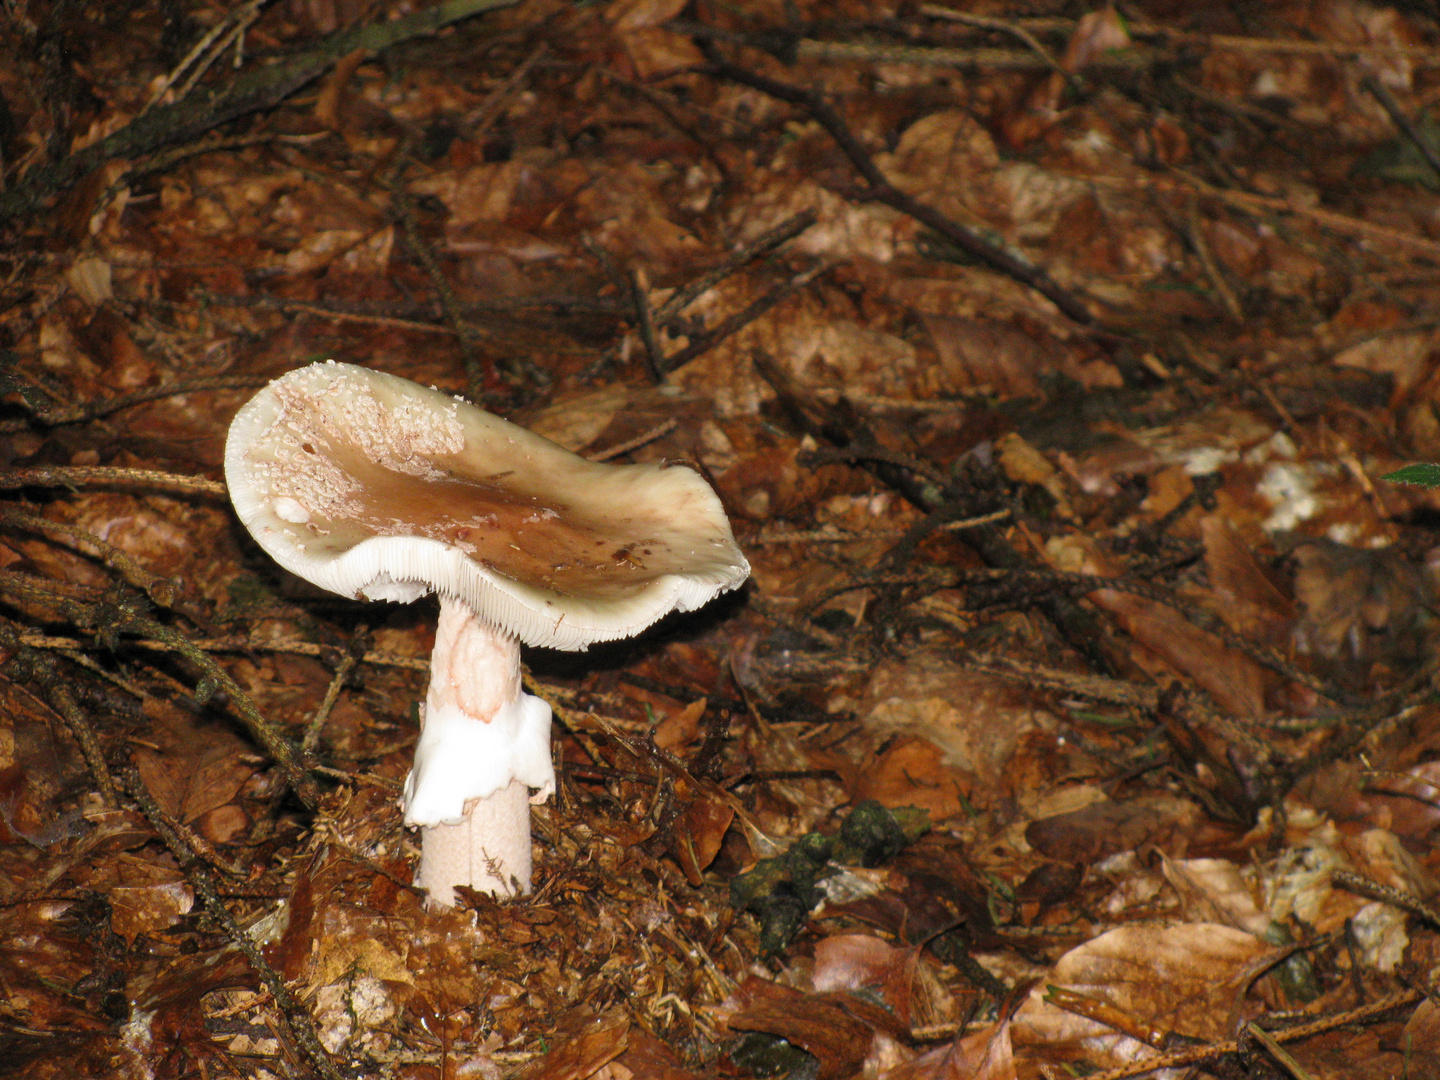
{"x": 1079, "y": 716}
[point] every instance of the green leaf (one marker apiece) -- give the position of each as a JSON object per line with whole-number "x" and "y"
{"x": 1425, "y": 475}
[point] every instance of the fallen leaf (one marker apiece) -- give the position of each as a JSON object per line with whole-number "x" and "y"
{"x": 1180, "y": 979}
{"x": 837, "y": 1029}
{"x": 911, "y": 773}
{"x": 584, "y": 1054}
{"x": 1106, "y": 828}
{"x": 861, "y": 962}
{"x": 152, "y": 898}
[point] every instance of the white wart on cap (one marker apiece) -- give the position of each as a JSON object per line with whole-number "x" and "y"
{"x": 373, "y": 486}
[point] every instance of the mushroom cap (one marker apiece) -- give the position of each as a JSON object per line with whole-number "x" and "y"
{"x": 375, "y": 487}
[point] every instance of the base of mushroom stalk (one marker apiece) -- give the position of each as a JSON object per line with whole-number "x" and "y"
{"x": 489, "y": 851}
{"x": 484, "y": 744}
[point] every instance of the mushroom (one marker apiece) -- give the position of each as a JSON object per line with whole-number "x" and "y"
{"x": 375, "y": 487}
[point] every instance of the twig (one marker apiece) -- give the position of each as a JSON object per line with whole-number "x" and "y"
{"x": 329, "y": 311}
{"x": 645, "y": 320}
{"x": 703, "y": 343}
{"x": 114, "y": 615}
{"x": 1397, "y": 116}
{"x": 1207, "y": 262}
{"x": 1001, "y": 59}
{"x": 165, "y": 160}
{"x": 881, "y": 190}
{"x": 1358, "y": 883}
{"x": 104, "y": 407}
{"x": 1278, "y": 1052}
{"x": 254, "y": 91}
{"x": 971, "y": 494}
{"x": 74, "y": 476}
{"x": 1194, "y": 1055}
{"x": 47, "y": 591}
{"x": 789, "y": 48}
{"x": 203, "y": 55}
{"x": 813, "y": 459}
{"x": 294, "y": 648}
{"x": 659, "y": 431}
{"x": 160, "y": 589}
{"x": 32, "y": 665}
{"x": 1179, "y": 180}
{"x": 830, "y": 534}
{"x": 1215, "y": 41}
{"x": 879, "y": 402}
{"x": 1205, "y": 620}
{"x": 1005, "y": 26}
{"x": 466, "y": 332}
{"x": 764, "y": 244}
{"x": 1278, "y": 45}
{"x": 297, "y": 1023}
{"x": 269, "y": 735}
{"x": 1360, "y": 729}
{"x": 332, "y": 694}
{"x": 392, "y": 786}
{"x": 478, "y": 120}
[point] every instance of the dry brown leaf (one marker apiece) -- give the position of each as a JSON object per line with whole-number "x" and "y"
{"x": 583, "y": 1055}
{"x": 704, "y": 820}
{"x": 647, "y": 1058}
{"x": 679, "y": 727}
{"x": 977, "y": 720}
{"x": 981, "y": 355}
{"x": 1097, "y": 33}
{"x": 1234, "y": 680}
{"x": 838, "y": 1029}
{"x": 1420, "y": 1041}
{"x": 1107, "y": 828}
{"x": 986, "y": 1054}
{"x": 911, "y": 773}
{"x": 1182, "y": 979}
{"x": 149, "y": 898}
{"x": 1213, "y": 890}
{"x": 1359, "y": 603}
{"x": 1406, "y": 803}
{"x": 191, "y": 784}
{"x": 861, "y": 962}
{"x": 1249, "y": 601}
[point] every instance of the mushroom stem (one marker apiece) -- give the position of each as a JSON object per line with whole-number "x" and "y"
{"x": 489, "y": 850}
{"x": 484, "y": 743}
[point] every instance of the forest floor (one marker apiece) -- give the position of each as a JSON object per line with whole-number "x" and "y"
{"x": 1047, "y": 360}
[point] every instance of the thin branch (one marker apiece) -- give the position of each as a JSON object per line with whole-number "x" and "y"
{"x": 704, "y": 342}
{"x": 113, "y": 615}
{"x": 332, "y": 695}
{"x": 160, "y": 589}
{"x": 34, "y": 666}
{"x": 645, "y": 320}
{"x": 239, "y": 645}
{"x": 1397, "y": 116}
{"x": 1358, "y": 883}
{"x": 206, "y": 51}
{"x": 659, "y": 431}
{"x": 477, "y": 121}
{"x": 76, "y": 476}
{"x": 258, "y": 89}
{"x": 1194, "y": 1055}
{"x": 466, "y": 332}
{"x": 94, "y": 409}
{"x": 764, "y": 244}
{"x": 881, "y": 190}
{"x": 297, "y": 1022}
